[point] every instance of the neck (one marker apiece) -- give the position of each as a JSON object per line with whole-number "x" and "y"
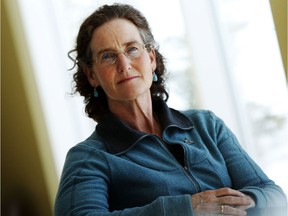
{"x": 138, "y": 114}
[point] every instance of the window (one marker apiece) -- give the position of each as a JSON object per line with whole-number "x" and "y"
{"x": 51, "y": 31}
{"x": 223, "y": 54}
{"x": 250, "y": 40}
{"x": 238, "y": 65}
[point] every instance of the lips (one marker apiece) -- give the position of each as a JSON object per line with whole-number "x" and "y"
{"x": 127, "y": 79}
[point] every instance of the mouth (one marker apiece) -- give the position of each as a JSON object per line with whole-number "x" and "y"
{"x": 127, "y": 79}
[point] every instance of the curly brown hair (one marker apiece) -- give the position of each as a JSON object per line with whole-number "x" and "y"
{"x": 97, "y": 106}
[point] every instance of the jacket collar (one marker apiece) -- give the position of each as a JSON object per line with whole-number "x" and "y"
{"x": 119, "y": 137}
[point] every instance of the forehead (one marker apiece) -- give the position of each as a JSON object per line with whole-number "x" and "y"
{"x": 114, "y": 34}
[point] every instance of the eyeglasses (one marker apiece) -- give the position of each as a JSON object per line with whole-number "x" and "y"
{"x": 132, "y": 51}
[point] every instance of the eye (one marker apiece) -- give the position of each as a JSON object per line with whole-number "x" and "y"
{"x": 132, "y": 50}
{"x": 107, "y": 56}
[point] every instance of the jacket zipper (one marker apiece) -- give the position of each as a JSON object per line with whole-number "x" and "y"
{"x": 191, "y": 177}
{"x": 184, "y": 168}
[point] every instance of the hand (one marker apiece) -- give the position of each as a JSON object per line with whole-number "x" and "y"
{"x": 224, "y": 201}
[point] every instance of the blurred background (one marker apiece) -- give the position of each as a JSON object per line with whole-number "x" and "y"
{"x": 228, "y": 56}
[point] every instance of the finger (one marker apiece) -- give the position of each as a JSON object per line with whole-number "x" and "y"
{"x": 213, "y": 209}
{"x": 228, "y": 191}
{"x": 229, "y": 210}
{"x": 234, "y": 201}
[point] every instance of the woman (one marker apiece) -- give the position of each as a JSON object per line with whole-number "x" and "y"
{"x": 145, "y": 158}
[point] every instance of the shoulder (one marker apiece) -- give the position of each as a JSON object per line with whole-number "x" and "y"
{"x": 88, "y": 153}
{"x": 206, "y": 122}
{"x": 201, "y": 116}
{"x": 93, "y": 144}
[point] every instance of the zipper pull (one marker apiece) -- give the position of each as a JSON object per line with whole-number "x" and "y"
{"x": 188, "y": 141}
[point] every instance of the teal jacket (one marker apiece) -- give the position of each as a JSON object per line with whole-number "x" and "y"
{"x": 121, "y": 171}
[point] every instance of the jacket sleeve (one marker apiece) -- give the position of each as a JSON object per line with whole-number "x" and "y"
{"x": 245, "y": 174}
{"x": 84, "y": 190}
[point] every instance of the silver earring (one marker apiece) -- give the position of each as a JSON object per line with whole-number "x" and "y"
{"x": 155, "y": 77}
{"x": 95, "y": 93}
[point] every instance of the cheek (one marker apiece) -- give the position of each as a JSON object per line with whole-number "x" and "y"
{"x": 146, "y": 65}
{"x": 103, "y": 76}
{"x": 106, "y": 81}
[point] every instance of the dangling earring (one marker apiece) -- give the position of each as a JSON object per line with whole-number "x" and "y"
{"x": 95, "y": 93}
{"x": 155, "y": 77}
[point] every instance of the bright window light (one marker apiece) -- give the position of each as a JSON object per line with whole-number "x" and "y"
{"x": 252, "y": 49}
{"x": 221, "y": 55}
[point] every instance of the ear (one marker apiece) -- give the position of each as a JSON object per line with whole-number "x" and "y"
{"x": 152, "y": 55}
{"x": 91, "y": 76}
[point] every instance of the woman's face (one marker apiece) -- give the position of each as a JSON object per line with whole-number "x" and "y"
{"x": 127, "y": 78}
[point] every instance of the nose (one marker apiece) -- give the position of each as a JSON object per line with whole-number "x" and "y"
{"x": 123, "y": 62}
